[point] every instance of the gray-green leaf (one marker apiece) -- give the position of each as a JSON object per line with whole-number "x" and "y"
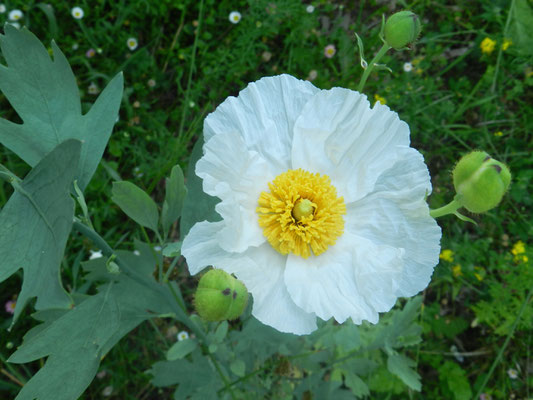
{"x": 400, "y": 366}
{"x": 198, "y": 205}
{"x": 136, "y": 204}
{"x": 174, "y": 196}
{"x": 45, "y": 96}
{"x": 34, "y": 226}
{"x": 181, "y": 349}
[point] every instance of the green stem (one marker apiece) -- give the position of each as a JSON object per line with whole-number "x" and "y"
{"x": 227, "y": 384}
{"x": 13, "y": 371}
{"x": 185, "y": 105}
{"x": 502, "y": 349}
{"x": 154, "y": 254}
{"x": 500, "y": 52}
{"x": 449, "y": 208}
{"x": 132, "y": 273}
{"x": 370, "y": 66}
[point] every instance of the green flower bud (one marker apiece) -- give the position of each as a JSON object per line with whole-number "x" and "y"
{"x": 480, "y": 181}
{"x": 220, "y": 296}
{"x": 402, "y": 29}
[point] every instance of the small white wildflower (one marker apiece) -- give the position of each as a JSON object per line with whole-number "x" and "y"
{"x": 182, "y": 336}
{"x": 93, "y": 88}
{"x": 77, "y": 12}
{"x": 15, "y": 24}
{"x": 95, "y": 254}
{"x": 408, "y": 67}
{"x": 310, "y": 8}
{"x": 137, "y": 172}
{"x": 157, "y": 248}
{"x": 101, "y": 374}
{"x": 15, "y": 15}
{"x": 108, "y": 390}
{"x": 235, "y": 17}
{"x": 312, "y": 75}
{"x": 132, "y": 43}
{"x": 151, "y": 83}
{"x": 137, "y": 252}
{"x": 191, "y": 104}
{"x": 3, "y": 8}
{"x": 75, "y": 46}
{"x": 513, "y": 373}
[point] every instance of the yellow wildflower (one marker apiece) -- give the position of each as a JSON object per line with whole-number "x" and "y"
{"x": 446, "y": 255}
{"x": 518, "y": 248}
{"x": 499, "y": 133}
{"x": 487, "y": 45}
{"x": 480, "y": 275}
{"x": 382, "y": 100}
{"x": 456, "y": 270}
{"x": 506, "y": 43}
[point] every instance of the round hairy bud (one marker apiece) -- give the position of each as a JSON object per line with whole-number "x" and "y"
{"x": 480, "y": 181}
{"x": 220, "y": 296}
{"x": 402, "y": 29}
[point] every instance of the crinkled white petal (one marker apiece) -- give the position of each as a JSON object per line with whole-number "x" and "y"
{"x": 339, "y": 135}
{"x": 237, "y": 176}
{"x": 264, "y": 114}
{"x": 260, "y": 269}
{"x": 396, "y": 214}
{"x": 327, "y": 284}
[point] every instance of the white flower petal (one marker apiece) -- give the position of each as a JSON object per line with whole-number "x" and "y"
{"x": 200, "y": 246}
{"x": 396, "y": 214}
{"x": 339, "y": 135}
{"x": 264, "y": 114}
{"x": 326, "y": 284}
{"x": 260, "y": 269}
{"x": 237, "y": 177}
{"x": 263, "y": 277}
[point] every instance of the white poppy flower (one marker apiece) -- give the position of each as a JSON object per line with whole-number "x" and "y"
{"x": 132, "y": 43}
{"x": 77, "y": 12}
{"x": 15, "y": 15}
{"x": 182, "y": 335}
{"x": 235, "y": 17}
{"x": 322, "y": 204}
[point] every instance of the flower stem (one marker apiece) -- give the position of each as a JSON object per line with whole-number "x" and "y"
{"x": 169, "y": 295}
{"x": 449, "y": 208}
{"x": 370, "y": 67}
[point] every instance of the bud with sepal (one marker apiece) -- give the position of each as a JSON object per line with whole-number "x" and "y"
{"x": 220, "y": 296}
{"x": 402, "y": 30}
{"x": 480, "y": 181}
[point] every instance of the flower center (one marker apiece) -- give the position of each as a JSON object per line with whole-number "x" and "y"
{"x": 302, "y": 213}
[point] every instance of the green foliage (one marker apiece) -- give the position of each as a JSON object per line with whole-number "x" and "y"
{"x": 42, "y": 206}
{"x": 198, "y": 205}
{"x": 136, "y": 204}
{"x": 77, "y": 341}
{"x": 455, "y": 99}
{"x": 175, "y": 192}
{"x": 45, "y": 95}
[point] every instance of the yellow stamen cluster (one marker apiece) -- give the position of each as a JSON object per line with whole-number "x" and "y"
{"x": 302, "y": 213}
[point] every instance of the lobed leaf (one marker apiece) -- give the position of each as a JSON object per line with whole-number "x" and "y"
{"x": 76, "y": 341}
{"x": 34, "y": 227}
{"x": 44, "y": 94}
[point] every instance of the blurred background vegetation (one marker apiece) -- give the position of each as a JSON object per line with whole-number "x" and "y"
{"x": 465, "y": 85}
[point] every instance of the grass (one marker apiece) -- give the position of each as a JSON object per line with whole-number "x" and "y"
{"x": 477, "y": 311}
